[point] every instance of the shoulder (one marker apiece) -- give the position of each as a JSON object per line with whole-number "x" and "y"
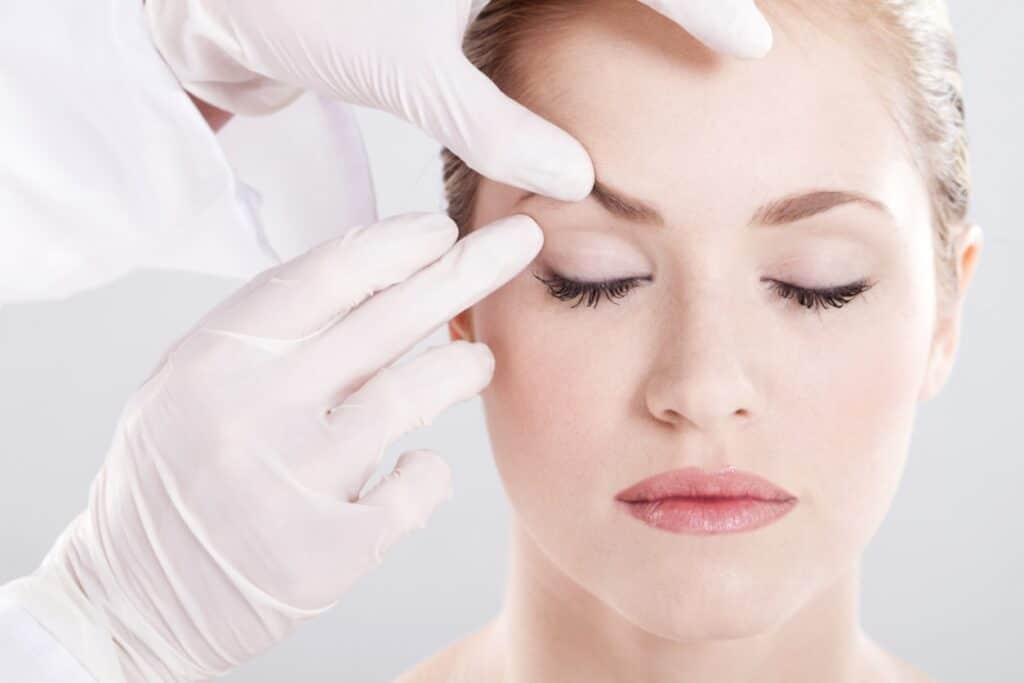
{"x": 885, "y": 666}
{"x": 467, "y": 660}
{"x": 437, "y": 668}
{"x": 907, "y": 673}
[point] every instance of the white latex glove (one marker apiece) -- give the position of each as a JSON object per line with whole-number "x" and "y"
{"x": 229, "y": 507}
{"x": 405, "y": 57}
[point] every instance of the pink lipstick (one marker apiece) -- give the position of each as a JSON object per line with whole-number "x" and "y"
{"x": 690, "y": 501}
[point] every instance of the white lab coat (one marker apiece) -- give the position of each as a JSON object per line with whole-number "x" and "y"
{"x": 106, "y": 166}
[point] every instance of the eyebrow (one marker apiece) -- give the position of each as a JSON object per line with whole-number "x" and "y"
{"x": 787, "y": 209}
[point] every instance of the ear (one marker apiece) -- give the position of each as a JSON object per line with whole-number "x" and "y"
{"x": 461, "y": 326}
{"x": 947, "y": 328}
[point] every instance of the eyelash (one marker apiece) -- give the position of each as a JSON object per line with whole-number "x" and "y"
{"x": 564, "y": 289}
{"x": 827, "y": 297}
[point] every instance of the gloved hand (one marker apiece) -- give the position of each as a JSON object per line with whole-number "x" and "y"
{"x": 229, "y": 507}
{"x": 405, "y": 57}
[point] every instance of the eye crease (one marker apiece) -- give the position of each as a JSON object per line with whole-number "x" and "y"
{"x": 565, "y": 289}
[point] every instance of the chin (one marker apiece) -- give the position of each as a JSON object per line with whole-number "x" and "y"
{"x": 688, "y": 621}
{"x": 719, "y": 607}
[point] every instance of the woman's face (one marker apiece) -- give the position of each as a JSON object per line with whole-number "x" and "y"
{"x": 706, "y": 364}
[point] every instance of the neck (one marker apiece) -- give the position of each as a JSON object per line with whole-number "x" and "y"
{"x": 552, "y": 629}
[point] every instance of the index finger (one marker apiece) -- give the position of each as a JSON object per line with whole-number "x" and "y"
{"x": 392, "y": 321}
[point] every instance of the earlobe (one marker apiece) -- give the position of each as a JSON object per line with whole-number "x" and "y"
{"x": 940, "y": 361}
{"x": 947, "y": 333}
{"x": 967, "y": 254}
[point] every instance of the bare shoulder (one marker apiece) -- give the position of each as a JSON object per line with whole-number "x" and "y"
{"x": 463, "y": 661}
{"x": 904, "y": 672}
{"x": 435, "y": 669}
{"x": 886, "y": 667}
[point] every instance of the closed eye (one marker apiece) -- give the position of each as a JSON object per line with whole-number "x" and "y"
{"x": 825, "y": 297}
{"x": 566, "y": 289}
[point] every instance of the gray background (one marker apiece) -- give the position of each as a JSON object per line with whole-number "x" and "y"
{"x": 941, "y": 580}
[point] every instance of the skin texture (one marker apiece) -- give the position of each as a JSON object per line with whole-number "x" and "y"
{"x": 706, "y": 365}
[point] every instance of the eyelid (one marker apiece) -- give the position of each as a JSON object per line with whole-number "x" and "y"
{"x": 593, "y": 251}
{"x": 812, "y": 299}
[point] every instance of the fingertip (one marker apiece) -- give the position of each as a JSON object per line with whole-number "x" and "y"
{"x": 486, "y": 356}
{"x": 563, "y": 171}
{"x": 431, "y": 222}
{"x": 736, "y": 28}
{"x": 422, "y": 457}
{"x": 528, "y": 235}
{"x": 507, "y": 142}
{"x": 434, "y": 475}
{"x": 756, "y": 38}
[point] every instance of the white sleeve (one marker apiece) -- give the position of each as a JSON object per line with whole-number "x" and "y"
{"x": 107, "y": 165}
{"x": 69, "y": 649}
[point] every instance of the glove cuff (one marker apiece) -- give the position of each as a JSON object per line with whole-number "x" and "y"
{"x": 56, "y": 603}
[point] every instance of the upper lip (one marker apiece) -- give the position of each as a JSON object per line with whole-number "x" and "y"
{"x": 692, "y": 482}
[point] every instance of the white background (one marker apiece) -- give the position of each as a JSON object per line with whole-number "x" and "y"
{"x": 941, "y": 580}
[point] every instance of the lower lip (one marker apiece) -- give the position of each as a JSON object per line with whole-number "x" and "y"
{"x": 704, "y": 516}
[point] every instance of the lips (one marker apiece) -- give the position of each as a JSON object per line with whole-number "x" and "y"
{"x": 692, "y": 482}
{"x": 690, "y": 501}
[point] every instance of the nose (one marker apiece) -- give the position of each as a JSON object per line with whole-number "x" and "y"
{"x": 701, "y": 374}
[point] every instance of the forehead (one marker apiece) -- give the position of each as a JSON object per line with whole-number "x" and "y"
{"x": 666, "y": 119}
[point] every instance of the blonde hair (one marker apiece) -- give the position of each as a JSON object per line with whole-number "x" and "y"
{"x": 917, "y": 34}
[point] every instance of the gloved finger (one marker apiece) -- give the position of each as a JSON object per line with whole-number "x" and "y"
{"x": 297, "y": 299}
{"x": 407, "y": 496}
{"x": 498, "y": 137}
{"x": 391, "y": 322}
{"x": 396, "y": 400}
{"x": 735, "y": 27}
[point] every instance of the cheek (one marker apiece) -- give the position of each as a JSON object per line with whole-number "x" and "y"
{"x": 845, "y": 413}
{"x": 550, "y": 402}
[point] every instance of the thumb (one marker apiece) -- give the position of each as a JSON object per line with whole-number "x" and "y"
{"x": 498, "y": 137}
{"x": 408, "y": 495}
